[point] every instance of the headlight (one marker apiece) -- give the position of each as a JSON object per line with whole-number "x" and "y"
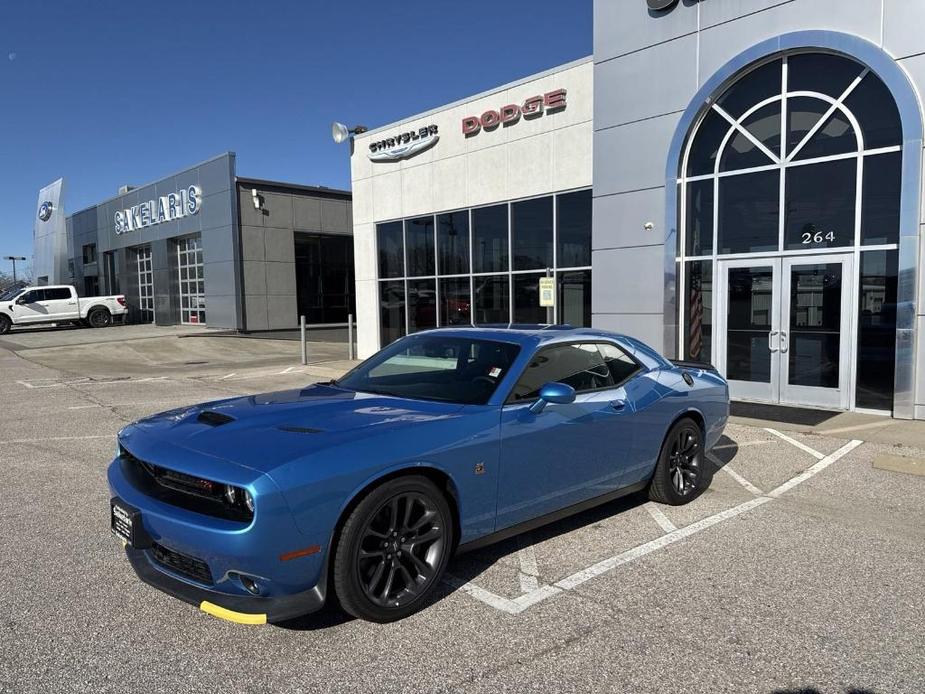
{"x": 231, "y": 494}
{"x": 248, "y": 501}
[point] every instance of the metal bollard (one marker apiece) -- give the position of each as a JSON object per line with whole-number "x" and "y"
{"x": 304, "y": 344}
{"x": 350, "y": 337}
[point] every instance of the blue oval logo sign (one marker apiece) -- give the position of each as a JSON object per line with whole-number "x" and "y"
{"x": 45, "y": 210}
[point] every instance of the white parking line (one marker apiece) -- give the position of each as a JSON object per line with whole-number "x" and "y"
{"x": 542, "y": 592}
{"x": 734, "y": 475}
{"x": 659, "y": 517}
{"x": 815, "y": 469}
{"x": 529, "y": 571}
{"x": 228, "y": 376}
{"x": 801, "y": 446}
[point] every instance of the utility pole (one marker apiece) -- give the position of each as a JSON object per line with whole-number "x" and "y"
{"x": 14, "y": 258}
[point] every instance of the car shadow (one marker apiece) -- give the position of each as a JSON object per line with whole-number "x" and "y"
{"x": 470, "y": 565}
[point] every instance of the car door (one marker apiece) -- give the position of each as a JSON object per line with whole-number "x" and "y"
{"x": 61, "y": 303}
{"x": 571, "y": 452}
{"x": 28, "y": 308}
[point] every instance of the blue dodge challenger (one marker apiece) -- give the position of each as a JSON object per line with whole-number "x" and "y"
{"x": 254, "y": 508}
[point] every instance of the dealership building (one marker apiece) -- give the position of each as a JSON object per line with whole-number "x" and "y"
{"x": 734, "y": 181}
{"x": 204, "y": 246}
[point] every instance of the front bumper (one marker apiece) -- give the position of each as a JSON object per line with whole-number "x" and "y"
{"x": 271, "y": 609}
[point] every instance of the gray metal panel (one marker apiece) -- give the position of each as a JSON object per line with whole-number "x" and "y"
{"x": 255, "y": 277}
{"x": 220, "y": 280}
{"x": 629, "y": 157}
{"x": 253, "y": 244}
{"x": 630, "y": 288}
{"x": 280, "y": 245}
{"x": 218, "y": 245}
{"x": 902, "y": 27}
{"x": 250, "y": 215}
{"x": 221, "y": 311}
{"x": 334, "y": 216}
{"x": 217, "y": 175}
{"x": 255, "y": 307}
{"x": 621, "y": 27}
{"x": 636, "y": 98}
{"x": 216, "y": 211}
{"x": 277, "y": 210}
{"x": 646, "y": 327}
{"x": 720, "y": 11}
{"x": 281, "y": 312}
{"x": 306, "y": 213}
{"x": 281, "y": 279}
{"x": 619, "y": 220}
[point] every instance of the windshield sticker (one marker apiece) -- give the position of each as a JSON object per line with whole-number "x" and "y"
{"x": 494, "y": 372}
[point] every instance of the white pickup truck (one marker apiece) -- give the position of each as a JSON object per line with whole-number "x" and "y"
{"x": 57, "y": 304}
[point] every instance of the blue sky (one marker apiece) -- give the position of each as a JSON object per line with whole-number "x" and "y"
{"x": 109, "y": 93}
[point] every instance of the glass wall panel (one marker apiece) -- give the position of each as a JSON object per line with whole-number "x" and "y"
{"x": 700, "y": 217}
{"x": 455, "y": 301}
{"x": 453, "y": 243}
{"x": 531, "y": 234}
{"x": 876, "y": 360}
{"x": 741, "y": 152}
{"x": 803, "y": 112}
{"x": 874, "y": 107}
{"x": 815, "y": 325}
{"x": 748, "y": 212}
{"x": 880, "y": 202}
{"x": 391, "y": 311}
{"x": 702, "y": 157}
{"x": 574, "y": 300}
{"x": 422, "y": 305}
{"x": 821, "y": 203}
{"x": 698, "y": 311}
{"x": 836, "y": 136}
{"x": 391, "y": 250}
{"x": 419, "y": 245}
{"x": 527, "y": 307}
{"x": 821, "y": 72}
{"x": 573, "y": 219}
{"x": 492, "y": 299}
{"x": 490, "y": 239}
{"x": 761, "y": 83}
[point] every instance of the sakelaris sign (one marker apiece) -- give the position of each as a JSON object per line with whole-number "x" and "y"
{"x": 533, "y": 107}
{"x": 164, "y": 209}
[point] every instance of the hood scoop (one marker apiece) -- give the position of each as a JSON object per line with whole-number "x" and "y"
{"x": 301, "y": 430}
{"x": 213, "y": 419}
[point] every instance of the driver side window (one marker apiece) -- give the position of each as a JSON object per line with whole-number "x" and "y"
{"x": 579, "y": 365}
{"x": 34, "y": 296}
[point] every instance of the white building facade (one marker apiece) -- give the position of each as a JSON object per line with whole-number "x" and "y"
{"x": 460, "y": 211}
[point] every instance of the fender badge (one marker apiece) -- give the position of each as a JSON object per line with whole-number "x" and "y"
{"x": 480, "y": 468}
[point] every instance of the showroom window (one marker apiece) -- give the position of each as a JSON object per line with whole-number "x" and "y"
{"x": 791, "y": 182}
{"x": 483, "y": 265}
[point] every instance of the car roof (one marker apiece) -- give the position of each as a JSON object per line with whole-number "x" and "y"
{"x": 525, "y": 332}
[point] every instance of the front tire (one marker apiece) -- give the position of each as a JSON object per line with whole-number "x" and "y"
{"x": 393, "y": 550}
{"x": 5, "y": 325}
{"x": 99, "y": 318}
{"x": 679, "y": 474}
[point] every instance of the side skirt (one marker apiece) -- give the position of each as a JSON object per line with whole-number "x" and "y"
{"x": 548, "y": 518}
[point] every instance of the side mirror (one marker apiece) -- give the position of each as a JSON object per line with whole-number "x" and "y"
{"x": 553, "y": 392}
{"x": 21, "y": 300}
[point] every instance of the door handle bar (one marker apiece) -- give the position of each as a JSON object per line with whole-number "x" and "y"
{"x": 771, "y": 346}
{"x": 784, "y": 342}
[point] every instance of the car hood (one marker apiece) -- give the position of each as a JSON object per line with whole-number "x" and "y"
{"x": 264, "y": 431}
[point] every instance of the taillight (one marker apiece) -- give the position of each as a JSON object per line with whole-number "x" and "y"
{"x": 121, "y": 300}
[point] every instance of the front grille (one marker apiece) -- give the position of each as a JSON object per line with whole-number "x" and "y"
{"x": 188, "y": 566}
{"x": 180, "y": 489}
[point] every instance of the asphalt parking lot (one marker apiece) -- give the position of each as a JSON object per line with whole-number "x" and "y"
{"x": 800, "y": 570}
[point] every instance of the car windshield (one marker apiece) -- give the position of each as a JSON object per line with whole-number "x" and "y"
{"x": 433, "y": 367}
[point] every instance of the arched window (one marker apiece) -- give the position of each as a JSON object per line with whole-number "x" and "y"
{"x": 800, "y": 155}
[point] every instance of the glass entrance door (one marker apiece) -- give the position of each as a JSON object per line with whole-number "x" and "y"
{"x": 784, "y": 329}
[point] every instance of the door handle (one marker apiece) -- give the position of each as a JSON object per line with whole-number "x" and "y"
{"x": 618, "y": 405}
{"x": 784, "y": 342}
{"x": 771, "y": 346}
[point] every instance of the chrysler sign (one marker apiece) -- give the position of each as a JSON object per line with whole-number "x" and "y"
{"x": 403, "y": 145}
{"x": 164, "y": 209}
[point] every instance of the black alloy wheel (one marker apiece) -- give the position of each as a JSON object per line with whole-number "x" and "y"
{"x": 393, "y": 550}
{"x": 99, "y": 318}
{"x": 679, "y": 473}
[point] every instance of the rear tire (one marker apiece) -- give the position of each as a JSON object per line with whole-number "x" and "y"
{"x": 5, "y": 325}
{"x": 679, "y": 474}
{"x": 393, "y": 550}
{"x": 99, "y": 318}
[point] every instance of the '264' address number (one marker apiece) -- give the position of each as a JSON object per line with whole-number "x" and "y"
{"x": 818, "y": 237}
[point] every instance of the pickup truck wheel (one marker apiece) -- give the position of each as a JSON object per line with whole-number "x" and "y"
{"x": 99, "y": 318}
{"x": 5, "y": 324}
{"x": 393, "y": 549}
